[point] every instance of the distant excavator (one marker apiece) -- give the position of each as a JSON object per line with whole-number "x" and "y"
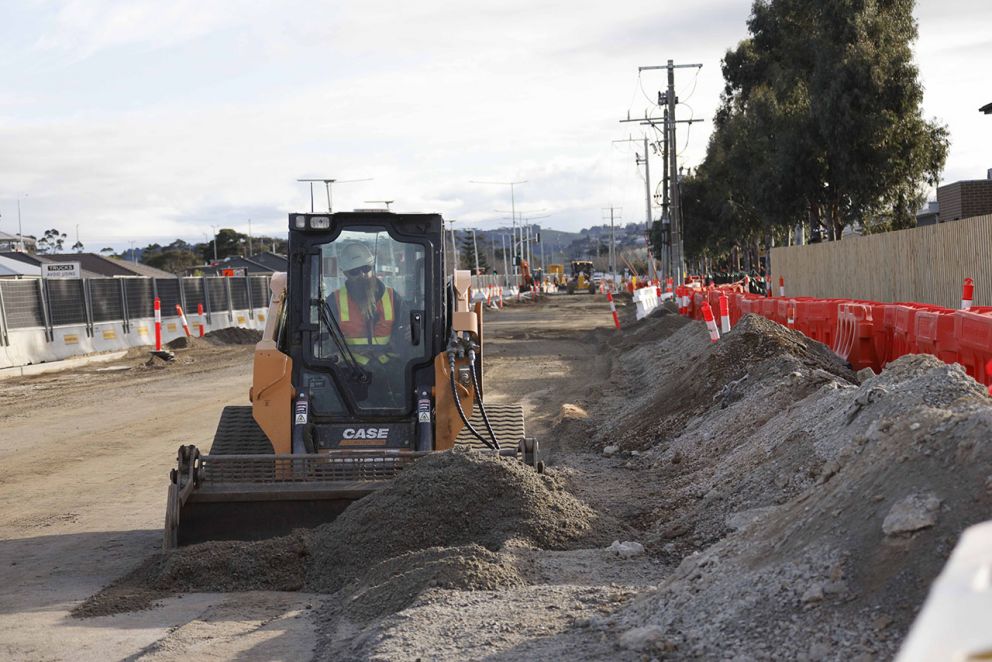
{"x": 371, "y": 358}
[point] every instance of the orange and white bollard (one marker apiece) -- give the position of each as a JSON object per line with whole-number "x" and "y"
{"x": 781, "y": 286}
{"x": 199, "y": 313}
{"x": 710, "y": 322}
{"x": 158, "y": 325}
{"x": 790, "y": 315}
{"x": 768, "y": 286}
{"x": 613, "y": 308}
{"x": 182, "y": 318}
{"x": 967, "y": 294}
{"x": 724, "y": 314}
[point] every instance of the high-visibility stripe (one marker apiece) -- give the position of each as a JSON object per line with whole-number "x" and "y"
{"x": 376, "y": 340}
{"x": 343, "y": 304}
{"x": 387, "y": 304}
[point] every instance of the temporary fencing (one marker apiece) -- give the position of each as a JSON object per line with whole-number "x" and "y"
{"x": 866, "y": 334}
{"x": 48, "y": 320}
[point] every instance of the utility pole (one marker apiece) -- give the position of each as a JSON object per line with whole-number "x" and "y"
{"x": 669, "y": 100}
{"x": 513, "y": 211}
{"x": 214, "y": 228}
{"x": 249, "y": 238}
{"x": 134, "y": 258}
{"x": 611, "y": 252}
{"x": 502, "y": 238}
{"x": 20, "y": 232}
{"x": 327, "y": 185}
{"x": 475, "y": 247}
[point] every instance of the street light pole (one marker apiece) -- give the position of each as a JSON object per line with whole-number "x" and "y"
{"x": 214, "y": 228}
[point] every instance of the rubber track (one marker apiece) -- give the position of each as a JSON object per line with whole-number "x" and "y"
{"x": 239, "y": 434}
{"x": 508, "y": 424}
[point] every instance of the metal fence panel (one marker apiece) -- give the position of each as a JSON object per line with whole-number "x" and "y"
{"x": 168, "y": 294}
{"x": 66, "y": 304}
{"x": 217, "y": 290}
{"x": 139, "y": 298}
{"x": 239, "y": 293}
{"x": 259, "y": 291}
{"x": 105, "y": 298}
{"x": 193, "y": 289}
{"x": 22, "y": 304}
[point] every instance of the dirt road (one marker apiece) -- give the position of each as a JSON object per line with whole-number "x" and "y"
{"x": 86, "y": 456}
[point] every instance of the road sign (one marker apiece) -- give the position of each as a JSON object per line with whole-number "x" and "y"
{"x": 61, "y": 270}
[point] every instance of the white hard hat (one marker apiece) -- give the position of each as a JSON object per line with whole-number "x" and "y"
{"x": 354, "y": 255}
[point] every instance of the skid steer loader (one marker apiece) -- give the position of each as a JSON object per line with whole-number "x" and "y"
{"x": 371, "y": 358}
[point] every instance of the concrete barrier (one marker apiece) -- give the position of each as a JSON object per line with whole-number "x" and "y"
{"x": 33, "y": 345}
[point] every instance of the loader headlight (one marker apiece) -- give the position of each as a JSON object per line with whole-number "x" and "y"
{"x": 320, "y": 222}
{"x": 300, "y": 222}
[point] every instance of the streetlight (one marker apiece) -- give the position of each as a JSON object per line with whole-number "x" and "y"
{"x": 20, "y": 232}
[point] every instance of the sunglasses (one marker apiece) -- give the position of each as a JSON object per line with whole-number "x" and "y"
{"x": 359, "y": 271}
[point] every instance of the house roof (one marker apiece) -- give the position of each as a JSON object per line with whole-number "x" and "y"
{"x": 101, "y": 266}
{"x": 12, "y": 267}
{"x": 271, "y": 260}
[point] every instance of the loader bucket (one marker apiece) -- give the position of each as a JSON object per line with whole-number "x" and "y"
{"x": 253, "y": 497}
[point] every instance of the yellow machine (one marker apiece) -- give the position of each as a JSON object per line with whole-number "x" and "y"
{"x": 557, "y": 273}
{"x": 371, "y": 357}
{"x": 581, "y": 277}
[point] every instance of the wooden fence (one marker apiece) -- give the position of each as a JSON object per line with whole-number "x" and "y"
{"x": 925, "y": 265}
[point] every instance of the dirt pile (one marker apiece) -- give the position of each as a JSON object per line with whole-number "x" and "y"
{"x": 451, "y": 499}
{"x": 394, "y": 584}
{"x": 659, "y": 324}
{"x": 833, "y": 515}
{"x": 270, "y": 565}
{"x": 439, "y": 524}
{"x": 666, "y": 383}
{"x": 233, "y": 335}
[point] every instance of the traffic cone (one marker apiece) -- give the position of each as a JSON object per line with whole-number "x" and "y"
{"x": 710, "y": 322}
{"x": 724, "y": 314}
{"x": 613, "y": 309}
{"x": 967, "y": 294}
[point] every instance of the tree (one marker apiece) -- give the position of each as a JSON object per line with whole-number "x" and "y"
{"x": 174, "y": 258}
{"x": 820, "y": 121}
{"x": 78, "y": 247}
{"x": 107, "y": 250}
{"x": 51, "y": 242}
{"x": 229, "y": 243}
{"x": 466, "y": 252}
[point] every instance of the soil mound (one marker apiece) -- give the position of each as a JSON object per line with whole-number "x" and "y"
{"x": 837, "y": 514}
{"x": 438, "y": 525}
{"x": 657, "y": 325}
{"x": 445, "y": 500}
{"x": 668, "y": 382}
{"x": 395, "y": 583}
{"x": 182, "y": 342}
{"x": 233, "y": 335}
{"x": 223, "y": 566}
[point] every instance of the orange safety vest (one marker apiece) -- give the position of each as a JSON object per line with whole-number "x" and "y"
{"x": 355, "y": 323}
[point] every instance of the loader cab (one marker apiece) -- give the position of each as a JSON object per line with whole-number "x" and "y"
{"x": 366, "y": 318}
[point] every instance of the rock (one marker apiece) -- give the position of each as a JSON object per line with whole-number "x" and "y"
{"x": 743, "y": 519}
{"x": 813, "y": 594}
{"x": 915, "y": 512}
{"x": 643, "y": 638}
{"x": 610, "y": 451}
{"x": 865, "y": 374}
{"x": 626, "y": 549}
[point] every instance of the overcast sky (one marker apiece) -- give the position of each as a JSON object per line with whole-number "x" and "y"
{"x": 147, "y": 120}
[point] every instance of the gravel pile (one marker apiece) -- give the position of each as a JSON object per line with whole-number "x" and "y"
{"x": 233, "y": 335}
{"x": 439, "y": 524}
{"x": 666, "y": 383}
{"x": 450, "y": 499}
{"x": 829, "y": 514}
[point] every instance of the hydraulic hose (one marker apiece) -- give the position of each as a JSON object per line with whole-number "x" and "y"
{"x": 458, "y": 404}
{"x": 478, "y": 394}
